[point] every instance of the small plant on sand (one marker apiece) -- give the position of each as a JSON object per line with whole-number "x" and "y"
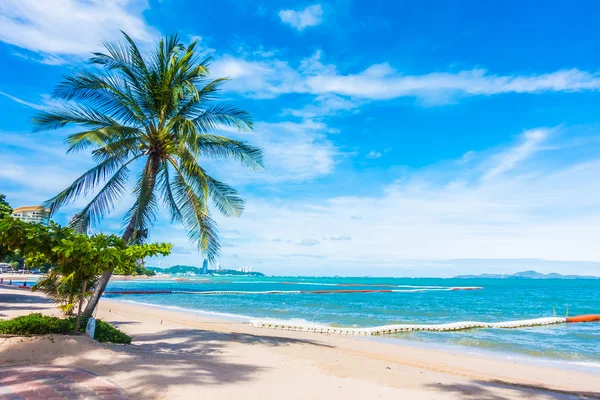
{"x": 38, "y": 324}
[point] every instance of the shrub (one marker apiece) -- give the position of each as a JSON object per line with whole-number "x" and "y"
{"x": 38, "y": 324}
{"x": 108, "y": 333}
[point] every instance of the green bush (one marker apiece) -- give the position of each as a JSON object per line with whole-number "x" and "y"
{"x": 108, "y": 333}
{"x": 34, "y": 324}
{"x": 38, "y": 324}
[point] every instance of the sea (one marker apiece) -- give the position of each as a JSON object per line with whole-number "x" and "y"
{"x": 408, "y": 301}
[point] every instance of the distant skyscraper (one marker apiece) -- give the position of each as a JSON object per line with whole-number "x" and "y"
{"x": 218, "y": 266}
{"x": 80, "y": 224}
{"x": 205, "y": 267}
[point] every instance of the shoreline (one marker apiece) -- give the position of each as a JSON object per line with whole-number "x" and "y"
{"x": 179, "y": 355}
{"x": 588, "y": 366}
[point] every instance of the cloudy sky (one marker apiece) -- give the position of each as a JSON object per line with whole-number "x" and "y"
{"x": 404, "y": 138}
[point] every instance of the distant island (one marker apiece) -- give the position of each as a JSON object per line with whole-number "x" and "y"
{"x": 188, "y": 270}
{"x": 526, "y": 275}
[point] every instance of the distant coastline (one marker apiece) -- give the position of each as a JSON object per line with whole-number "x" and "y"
{"x": 188, "y": 270}
{"x": 526, "y": 275}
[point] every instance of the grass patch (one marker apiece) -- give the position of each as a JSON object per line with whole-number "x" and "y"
{"x": 38, "y": 324}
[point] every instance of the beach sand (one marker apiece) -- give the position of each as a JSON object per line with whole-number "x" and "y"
{"x": 179, "y": 355}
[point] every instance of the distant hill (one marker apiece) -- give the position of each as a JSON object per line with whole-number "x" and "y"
{"x": 176, "y": 269}
{"x": 188, "y": 269}
{"x": 526, "y": 275}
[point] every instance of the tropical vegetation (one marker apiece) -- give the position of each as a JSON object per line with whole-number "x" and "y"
{"x": 38, "y": 324}
{"x": 78, "y": 260}
{"x": 158, "y": 115}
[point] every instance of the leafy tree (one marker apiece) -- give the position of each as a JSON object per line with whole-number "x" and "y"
{"x": 158, "y": 112}
{"x": 14, "y": 257}
{"x": 141, "y": 270}
{"x": 5, "y": 208}
{"x": 79, "y": 259}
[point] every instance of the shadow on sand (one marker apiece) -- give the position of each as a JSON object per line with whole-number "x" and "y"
{"x": 483, "y": 390}
{"x": 194, "y": 356}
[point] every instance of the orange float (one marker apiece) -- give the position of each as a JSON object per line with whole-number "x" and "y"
{"x": 584, "y": 318}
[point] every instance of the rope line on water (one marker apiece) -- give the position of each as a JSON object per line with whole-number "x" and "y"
{"x": 324, "y": 291}
{"x": 391, "y": 329}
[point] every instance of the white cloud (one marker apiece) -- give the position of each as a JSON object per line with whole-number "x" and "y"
{"x": 261, "y": 79}
{"x": 382, "y": 82}
{"x": 301, "y": 19}
{"x": 29, "y": 104}
{"x": 374, "y": 154}
{"x": 70, "y": 27}
{"x": 271, "y": 77}
{"x": 506, "y": 161}
{"x": 293, "y": 152}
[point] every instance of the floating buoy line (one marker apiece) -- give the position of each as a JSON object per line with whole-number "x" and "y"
{"x": 323, "y": 291}
{"x": 391, "y": 329}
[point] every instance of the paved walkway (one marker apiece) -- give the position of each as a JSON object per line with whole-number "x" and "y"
{"x": 55, "y": 383}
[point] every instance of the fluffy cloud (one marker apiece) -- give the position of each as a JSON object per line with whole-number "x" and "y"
{"x": 293, "y": 152}
{"x": 271, "y": 77}
{"x": 301, "y": 19}
{"x": 70, "y": 27}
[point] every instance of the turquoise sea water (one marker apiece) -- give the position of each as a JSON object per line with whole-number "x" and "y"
{"x": 419, "y": 301}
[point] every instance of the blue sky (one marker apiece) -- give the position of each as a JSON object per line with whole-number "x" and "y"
{"x": 425, "y": 138}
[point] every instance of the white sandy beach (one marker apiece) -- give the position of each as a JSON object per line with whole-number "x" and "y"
{"x": 178, "y": 355}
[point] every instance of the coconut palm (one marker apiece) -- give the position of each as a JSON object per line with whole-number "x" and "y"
{"x": 158, "y": 115}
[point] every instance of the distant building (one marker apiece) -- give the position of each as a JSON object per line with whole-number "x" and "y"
{"x": 5, "y": 268}
{"x": 205, "y": 267}
{"x": 34, "y": 214}
{"x": 80, "y": 224}
{"x": 218, "y": 266}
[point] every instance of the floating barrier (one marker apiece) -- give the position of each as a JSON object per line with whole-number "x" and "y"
{"x": 139, "y": 292}
{"x": 391, "y": 329}
{"x": 213, "y": 292}
{"x": 584, "y": 318}
{"x": 324, "y": 291}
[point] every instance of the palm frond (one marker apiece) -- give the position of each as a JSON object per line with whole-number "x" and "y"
{"x": 215, "y": 146}
{"x": 75, "y": 114}
{"x": 87, "y": 182}
{"x": 107, "y": 198}
{"x": 224, "y": 197}
{"x": 113, "y": 136}
{"x": 143, "y": 212}
{"x": 217, "y": 116}
{"x": 196, "y": 219}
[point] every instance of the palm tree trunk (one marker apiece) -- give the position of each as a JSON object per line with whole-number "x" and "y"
{"x": 105, "y": 278}
{"x": 77, "y": 319}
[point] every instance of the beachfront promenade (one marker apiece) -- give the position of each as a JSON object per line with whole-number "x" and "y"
{"x": 178, "y": 355}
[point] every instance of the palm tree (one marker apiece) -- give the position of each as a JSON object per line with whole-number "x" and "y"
{"x": 157, "y": 114}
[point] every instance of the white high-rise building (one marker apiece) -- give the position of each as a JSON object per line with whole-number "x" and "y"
{"x": 218, "y": 266}
{"x": 35, "y": 214}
